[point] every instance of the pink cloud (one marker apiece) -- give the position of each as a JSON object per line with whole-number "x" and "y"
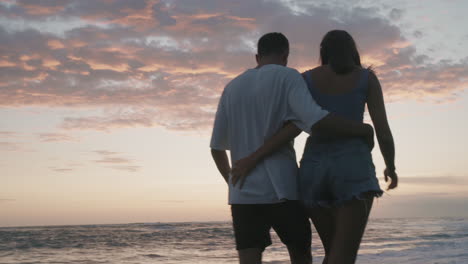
{"x": 113, "y": 160}
{"x": 105, "y": 152}
{"x": 126, "y": 168}
{"x": 56, "y": 169}
{"x": 9, "y": 134}
{"x": 119, "y": 163}
{"x": 10, "y": 146}
{"x": 166, "y": 62}
{"x": 53, "y": 137}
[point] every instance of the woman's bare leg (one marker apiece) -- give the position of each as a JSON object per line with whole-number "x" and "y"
{"x": 350, "y": 223}
{"x": 324, "y": 223}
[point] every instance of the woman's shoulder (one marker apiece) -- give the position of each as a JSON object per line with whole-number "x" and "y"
{"x": 313, "y": 71}
{"x": 325, "y": 71}
{"x": 372, "y": 75}
{"x": 319, "y": 68}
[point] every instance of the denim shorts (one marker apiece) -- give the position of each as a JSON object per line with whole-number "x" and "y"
{"x": 333, "y": 173}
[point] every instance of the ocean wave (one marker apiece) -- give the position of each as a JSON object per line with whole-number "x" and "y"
{"x": 406, "y": 241}
{"x": 153, "y": 256}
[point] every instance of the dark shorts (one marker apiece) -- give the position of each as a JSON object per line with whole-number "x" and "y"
{"x": 252, "y": 223}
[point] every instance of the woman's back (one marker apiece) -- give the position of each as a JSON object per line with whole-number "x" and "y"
{"x": 342, "y": 94}
{"x": 334, "y": 171}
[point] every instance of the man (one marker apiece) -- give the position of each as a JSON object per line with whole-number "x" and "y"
{"x": 252, "y": 108}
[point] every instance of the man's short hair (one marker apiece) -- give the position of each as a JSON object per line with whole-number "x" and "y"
{"x": 273, "y": 43}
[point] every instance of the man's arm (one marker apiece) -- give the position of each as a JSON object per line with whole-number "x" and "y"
{"x": 243, "y": 166}
{"x": 220, "y": 140}
{"x": 331, "y": 123}
{"x": 222, "y": 163}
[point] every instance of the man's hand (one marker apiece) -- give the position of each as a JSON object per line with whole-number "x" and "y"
{"x": 241, "y": 169}
{"x": 393, "y": 178}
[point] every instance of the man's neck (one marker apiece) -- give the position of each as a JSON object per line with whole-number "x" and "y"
{"x": 269, "y": 60}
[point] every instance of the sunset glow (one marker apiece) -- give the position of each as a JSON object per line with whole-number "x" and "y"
{"x": 106, "y": 106}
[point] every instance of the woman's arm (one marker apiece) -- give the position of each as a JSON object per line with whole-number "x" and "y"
{"x": 376, "y": 106}
{"x": 331, "y": 124}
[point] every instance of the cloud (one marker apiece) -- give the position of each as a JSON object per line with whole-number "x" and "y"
{"x": 10, "y": 146}
{"x": 165, "y": 63}
{"x": 188, "y": 119}
{"x": 435, "y": 180}
{"x": 54, "y": 137}
{"x": 105, "y": 152}
{"x": 109, "y": 122}
{"x": 113, "y": 160}
{"x": 9, "y": 134}
{"x": 396, "y": 13}
{"x": 421, "y": 205}
{"x": 61, "y": 169}
{"x": 417, "y": 34}
{"x": 116, "y": 161}
{"x": 161, "y": 15}
{"x": 42, "y": 7}
{"x": 126, "y": 168}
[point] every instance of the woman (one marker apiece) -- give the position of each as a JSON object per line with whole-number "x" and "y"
{"x": 337, "y": 175}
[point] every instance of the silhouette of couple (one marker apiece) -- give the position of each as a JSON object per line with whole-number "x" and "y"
{"x": 259, "y": 114}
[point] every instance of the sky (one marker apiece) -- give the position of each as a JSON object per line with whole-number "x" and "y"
{"x": 106, "y": 107}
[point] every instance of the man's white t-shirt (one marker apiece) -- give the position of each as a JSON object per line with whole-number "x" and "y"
{"x": 252, "y": 108}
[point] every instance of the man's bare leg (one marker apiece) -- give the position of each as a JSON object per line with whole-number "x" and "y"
{"x": 250, "y": 256}
{"x": 300, "y": 255}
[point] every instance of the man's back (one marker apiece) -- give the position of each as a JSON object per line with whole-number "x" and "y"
{"x": 253, "y": 107}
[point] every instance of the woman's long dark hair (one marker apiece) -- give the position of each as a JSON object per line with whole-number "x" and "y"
{"x": 338, "y": 50}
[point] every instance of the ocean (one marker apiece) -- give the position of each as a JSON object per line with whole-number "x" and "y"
{"x": 412, "y": 240}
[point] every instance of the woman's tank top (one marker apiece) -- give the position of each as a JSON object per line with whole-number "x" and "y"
{"x": 349, "y": 105}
